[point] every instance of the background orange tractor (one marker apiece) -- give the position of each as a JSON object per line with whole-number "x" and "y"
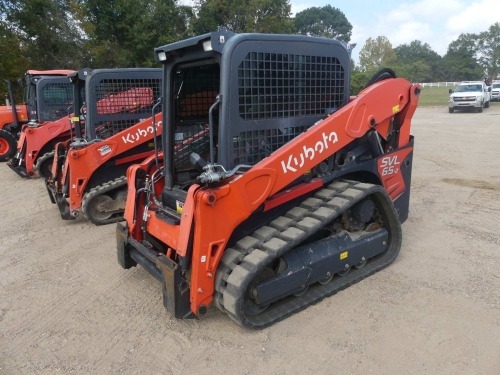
{"x": 46, "y": 97}
{"x": 35, "y": 147}
{"x": 88, "y": 171}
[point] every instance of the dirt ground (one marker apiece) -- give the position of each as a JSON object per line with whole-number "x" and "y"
{"x": 67, "y": 307}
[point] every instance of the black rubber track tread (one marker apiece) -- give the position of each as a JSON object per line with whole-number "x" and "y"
{"x": 41, "y": 160}
{"x": 11, "y": 140}
{"x": 242, "y": 262}
{"x": 110, "y": 186}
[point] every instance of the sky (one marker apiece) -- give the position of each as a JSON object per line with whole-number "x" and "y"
{"x": 435, "y": 22}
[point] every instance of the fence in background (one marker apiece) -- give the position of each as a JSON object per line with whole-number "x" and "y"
{"x": 439, "y": 84}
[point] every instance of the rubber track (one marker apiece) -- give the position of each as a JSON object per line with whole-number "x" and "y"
{"x": 99, "y": 190}
{"x": 241, "y": 263}
{"x": 41, "y": 159}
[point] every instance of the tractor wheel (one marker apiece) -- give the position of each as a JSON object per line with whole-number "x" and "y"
{"x": 8, "y": 145}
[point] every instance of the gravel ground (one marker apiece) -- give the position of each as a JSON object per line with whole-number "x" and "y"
{"x": 66, "y": 306}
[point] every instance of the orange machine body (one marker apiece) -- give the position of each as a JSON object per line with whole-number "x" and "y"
{"x": 81, "y": 163}
{"x": 211, "y": 213}
{"x": 35, "y": 141}
{"x": 7, "y": 117}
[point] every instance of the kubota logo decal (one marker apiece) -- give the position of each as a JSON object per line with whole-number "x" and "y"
{"x": 293, "y": 162}
{"x": 104, "y": 150}
{"x": 132, "y": 137}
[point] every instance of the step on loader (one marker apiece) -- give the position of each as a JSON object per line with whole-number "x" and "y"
{"x": 299, "y": 193}
{"x": 35, "y": 147}
{"x": 47, "y": 97}
{"x": 88, "y": 171}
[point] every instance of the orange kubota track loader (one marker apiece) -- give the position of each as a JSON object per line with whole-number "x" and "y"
{"x": 88, "y": 172}
{"x": 45, "y": 99}
{"x": 35, "y": 147}
{"x": 300, "y": 193}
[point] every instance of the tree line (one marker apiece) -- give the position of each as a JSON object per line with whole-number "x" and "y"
{"x": 47, "y": 34}
{"x": 469, "y": 57}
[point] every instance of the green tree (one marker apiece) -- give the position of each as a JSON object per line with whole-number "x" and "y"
{"x": 240, "y": 16}
{"x": 13, "y": 62}
{"x": 124, "y": 33}
{"x": 376, "y": 53}
{"x": 416, "y": 71}
{"x": 460, "y": 62}
{"x": 327, "y": 21}
{"x": 47, "y": 31}
{"x": 359, "y": 79}
{"x": 416, "y": 50}
{"x": 417, "y": 62}
{"x": 488, "y": 47}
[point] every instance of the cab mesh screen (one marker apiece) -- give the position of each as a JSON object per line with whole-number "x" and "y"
{"x": 276, "y": 86}
{"x": 122, "y": 103}
{"x": 273, "y": 85}
{"x": 56, "y": 100}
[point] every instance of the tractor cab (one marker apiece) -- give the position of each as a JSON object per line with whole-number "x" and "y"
{"x": 47, "y": 94}
{"x": 233, "y": 99}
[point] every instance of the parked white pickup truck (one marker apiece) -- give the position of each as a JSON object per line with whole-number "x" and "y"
{"x": 495, "y": 91}
{"x": 470, "y": 95}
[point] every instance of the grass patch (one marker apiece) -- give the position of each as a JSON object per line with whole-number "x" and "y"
{"x": 434, "y": 96}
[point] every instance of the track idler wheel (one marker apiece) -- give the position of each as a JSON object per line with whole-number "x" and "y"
{"x": 251, "y": 307}
{"x": 97, "y": 209}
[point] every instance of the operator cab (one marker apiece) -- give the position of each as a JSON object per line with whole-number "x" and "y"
{"x": 234, "y": 99}
{"x": 196, "y": 89}
{"x": 48, "y": 98}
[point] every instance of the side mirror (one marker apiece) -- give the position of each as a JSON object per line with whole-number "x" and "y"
{"x": 450, "y": 91}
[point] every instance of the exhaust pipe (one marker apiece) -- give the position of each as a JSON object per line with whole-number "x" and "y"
{"x": 12, "y": 102}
